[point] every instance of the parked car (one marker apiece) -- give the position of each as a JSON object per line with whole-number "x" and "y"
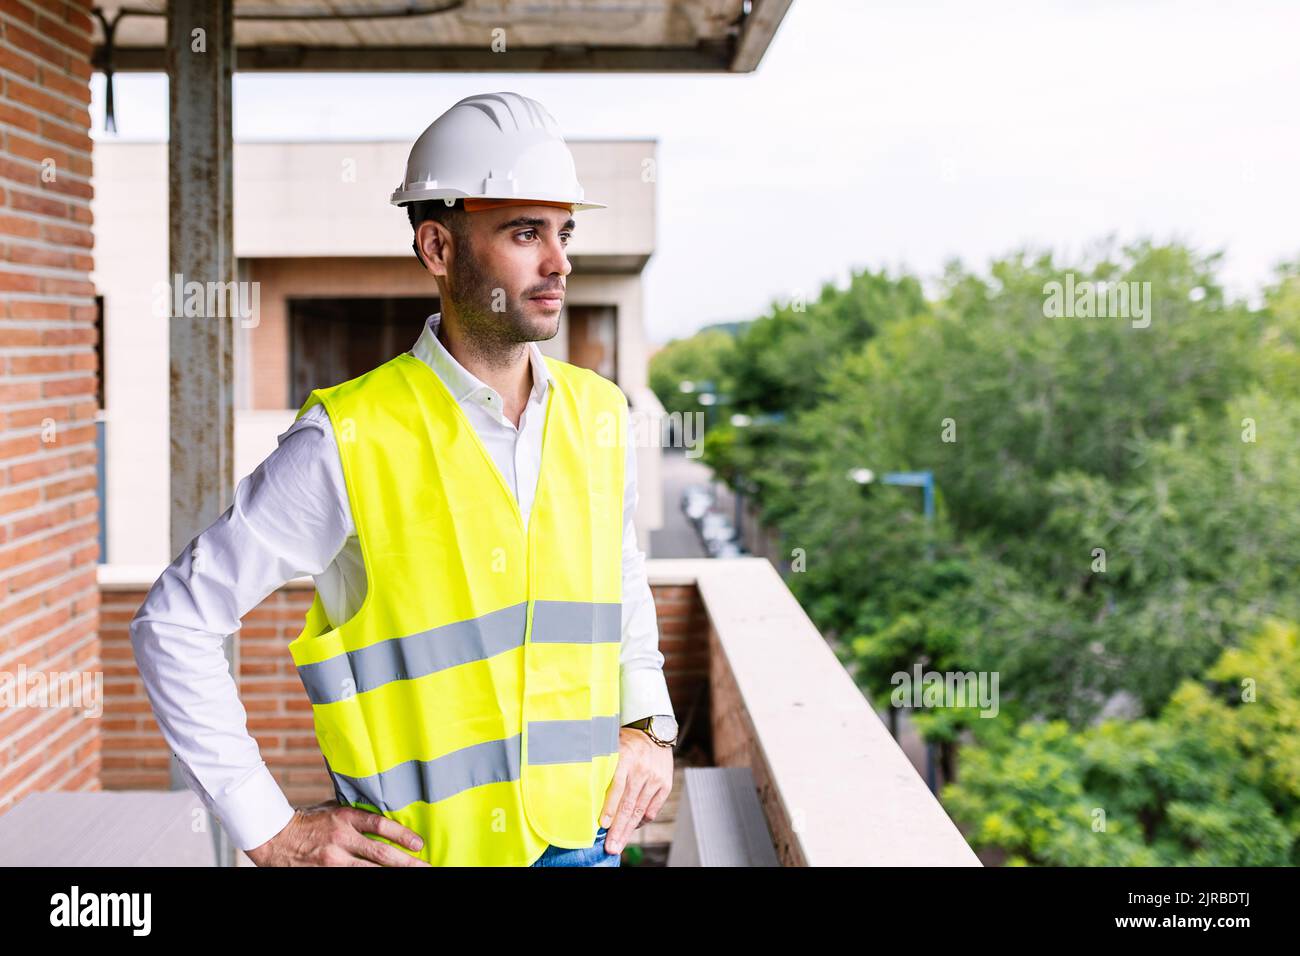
{"x": 715, "y": 546}
{"x": 696, "y": 501}
{"x": 715, "y": 526}
{"x": 729, "y": 549}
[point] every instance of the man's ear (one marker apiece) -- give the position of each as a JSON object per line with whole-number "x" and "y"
{"x": 431, "y": 241}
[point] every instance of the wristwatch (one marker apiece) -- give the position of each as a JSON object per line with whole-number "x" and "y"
{"x": 661, "y": 728}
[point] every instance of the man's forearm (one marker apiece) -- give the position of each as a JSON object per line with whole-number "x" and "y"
{"x": 196, "y": 704}
{"x": 643, "y": 689}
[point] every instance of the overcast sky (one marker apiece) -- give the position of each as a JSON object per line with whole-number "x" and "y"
{"x": 896, "y": 133}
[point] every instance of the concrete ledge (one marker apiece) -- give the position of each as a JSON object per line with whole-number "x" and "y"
{"x": 836, "y": 788}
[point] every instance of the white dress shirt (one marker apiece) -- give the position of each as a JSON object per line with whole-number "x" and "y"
{"x": 292, "y": 517}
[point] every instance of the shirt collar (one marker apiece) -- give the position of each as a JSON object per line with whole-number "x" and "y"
{"x": 460, "y": 381}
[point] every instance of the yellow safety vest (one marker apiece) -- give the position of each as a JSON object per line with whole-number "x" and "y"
{"x": 474, "y": 695}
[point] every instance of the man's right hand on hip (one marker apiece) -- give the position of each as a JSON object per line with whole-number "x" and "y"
{"x": 328, "y": 834}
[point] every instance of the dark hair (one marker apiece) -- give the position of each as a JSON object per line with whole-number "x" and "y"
{"x": 453, "y": 217}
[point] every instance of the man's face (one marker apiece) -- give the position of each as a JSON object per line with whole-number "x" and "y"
{"x": 507, "y": 283}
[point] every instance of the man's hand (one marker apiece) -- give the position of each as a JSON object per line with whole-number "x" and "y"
{"x": 642, "y": 781}
{"x": 328, "y": 834}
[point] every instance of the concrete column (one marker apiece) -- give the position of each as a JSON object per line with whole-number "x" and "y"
{"x": 200, "y": 61}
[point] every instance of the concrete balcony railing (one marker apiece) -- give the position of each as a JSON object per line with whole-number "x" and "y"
{"x": 835, "y": 787}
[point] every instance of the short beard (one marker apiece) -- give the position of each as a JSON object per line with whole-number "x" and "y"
{"x": 495, "y": 337}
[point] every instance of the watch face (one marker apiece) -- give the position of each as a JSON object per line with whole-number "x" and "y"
{"x": 664, "y": 727}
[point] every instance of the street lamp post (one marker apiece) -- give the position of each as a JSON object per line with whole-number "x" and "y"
{"x": 915, "y": 479}
{"x": 741, "y": 420}
{"x": 925, "y": 481}
{"x": 911, "y": 479}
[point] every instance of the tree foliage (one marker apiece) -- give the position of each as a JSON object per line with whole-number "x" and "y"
{"x": 1116, "y": 516}
{"x": 1214, "y": 780}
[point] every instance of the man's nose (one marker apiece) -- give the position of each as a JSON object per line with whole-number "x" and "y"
{"x": 556, "y": 259}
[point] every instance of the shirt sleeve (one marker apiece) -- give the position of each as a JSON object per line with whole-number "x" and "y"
{"x": 643, "y": 689}
{"x": 290, "y": 517}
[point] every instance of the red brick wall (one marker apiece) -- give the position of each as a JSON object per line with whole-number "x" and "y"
{"x": 279, "y": 715}
{"x": 684, "y": 642}
{"x": 48, "y": 548}
{"x": 135, "y": 755}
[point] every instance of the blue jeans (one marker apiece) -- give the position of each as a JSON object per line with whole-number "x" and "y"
{"x": 594, "y": 855}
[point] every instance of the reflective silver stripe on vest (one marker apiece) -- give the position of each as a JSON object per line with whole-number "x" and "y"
{"x": 404, "y": 658}
{"x": 571, "y": 741}
{"x": 577, "y": 622}
{"x": 493, "y": 761}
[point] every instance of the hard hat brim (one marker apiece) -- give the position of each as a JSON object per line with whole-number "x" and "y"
{"x": 401, "y": 197}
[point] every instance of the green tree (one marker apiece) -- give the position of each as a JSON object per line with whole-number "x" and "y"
{"x": 1042, "y": 434}
{"x": 779, "y": 361}
{"x": 1115, "y": 520}
{"x": 695, "y": 359}
{"x": 1213, "y": 781}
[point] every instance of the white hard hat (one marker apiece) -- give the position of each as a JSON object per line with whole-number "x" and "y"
{"x": 492, "y": 146}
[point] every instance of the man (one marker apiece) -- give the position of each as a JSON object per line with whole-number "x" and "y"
{"x": 481, "y": 653}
